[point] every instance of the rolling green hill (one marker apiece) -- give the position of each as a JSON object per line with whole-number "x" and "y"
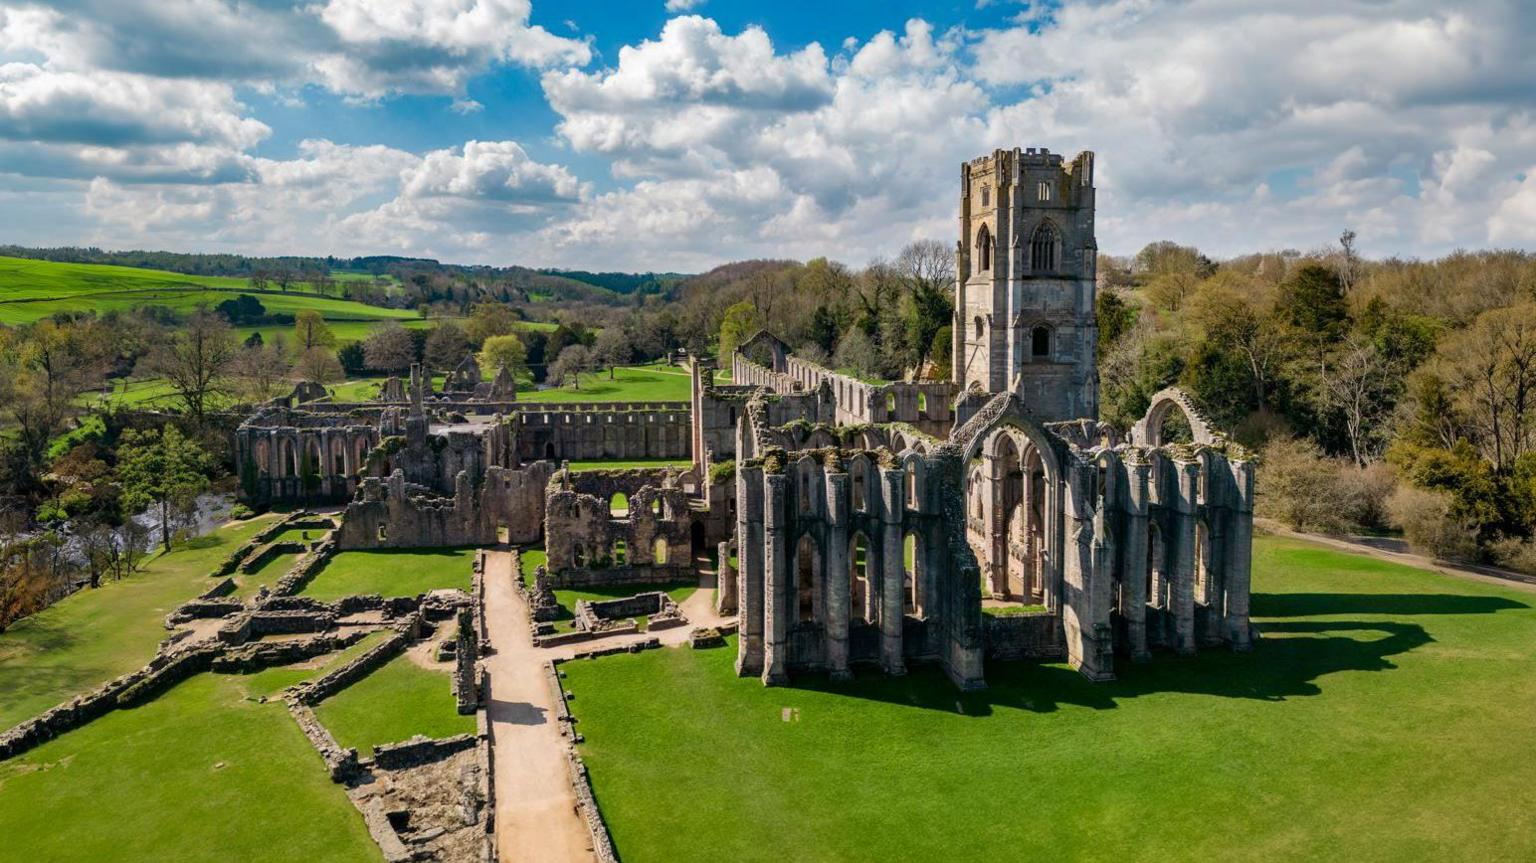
{"x": 31, "y": 290}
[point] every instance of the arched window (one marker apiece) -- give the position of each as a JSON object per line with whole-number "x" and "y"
{"x": 986, "y": 195}
{"x": 1042, "y": 249}
{"x": 984, "y": 249}
{"x": 1040, "y": 342}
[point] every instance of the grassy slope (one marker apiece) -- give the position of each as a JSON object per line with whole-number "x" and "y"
{"x": 96, "y": 635}
{"x": 644, "y": 384}
{"x": 202, "y": 773}
{"x": 1385, "y": 715}
{"x": 30, "y": 290}
{"x": 392, "y": 572}
{"x": 393, "y": 704}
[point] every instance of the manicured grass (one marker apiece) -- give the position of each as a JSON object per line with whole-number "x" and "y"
{"x": 201, "y": 773}
{"x": 96, "y": 635}
{"x": 269, "y": 573}
{"x": 392, "y": 572}
{"x": 531, "y": 559}
{"x": 1011, "y": 610}
{"x": 655, "y": 383}
{"x": 678, "y": 590}
{"x": 680, "y": 464}
{"x": 1384, "y": 715}
{"x": 393, "y": 704}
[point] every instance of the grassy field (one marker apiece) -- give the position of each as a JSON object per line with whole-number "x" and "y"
{"x": 1384, "y": 715}
{"x": 680, "y": 464}
{"x": 30, "y": 290}
{"x": 392, "y": 572}
{"x": 201, "y": 773}
{"x": 678, "y": 590}
{"x": 393, "y": 704}
{"x": 531, "y": 559}
{"x": 96, "y": 635}
{"x": 655, "y": 383}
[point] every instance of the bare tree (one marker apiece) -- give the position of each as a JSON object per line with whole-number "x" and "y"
{"x": 320, "y": 366}
{"x": 196, "y": 360}
{"x": 929, "y": 264}
{"x": 260, "y": 371}
{"x": 389, "y": 348}
{"x": 569, "y": 366}
{"x": 1360, "y": 385}
{"x": 1349, "y": 263}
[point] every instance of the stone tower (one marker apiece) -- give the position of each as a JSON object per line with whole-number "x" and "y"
{"x": 1025, "y": 270}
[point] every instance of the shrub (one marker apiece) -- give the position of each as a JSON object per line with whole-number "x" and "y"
{"x": 1428, "y": 524}
{"x": 1366, "y": 492}
{"x": 1514, "y": 553}
{"x": 1300, "y": 488}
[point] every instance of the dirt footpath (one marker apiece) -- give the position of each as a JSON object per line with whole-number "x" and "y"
{"x": 536, "y": 819}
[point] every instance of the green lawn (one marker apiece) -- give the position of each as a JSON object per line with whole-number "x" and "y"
{"x": 392, "y": 572}
{"x": 678, "y": 590}
{"x": 96, "y": 635}
{"x": 531, "y": 559}
{"x": 393, "y": 704}
{"x": 655, "y": 383}
{"x": 269, "y": 573}
{"x": 1385, "y": 715}
{"x": 202, "y": 773}
{"x": 680, "y": 464}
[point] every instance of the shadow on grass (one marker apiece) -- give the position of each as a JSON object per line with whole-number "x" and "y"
{"x": 1286, "y": 663}
{"x": 1317, "y": 604}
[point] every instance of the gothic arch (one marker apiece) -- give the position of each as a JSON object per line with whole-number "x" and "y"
{"x": 1045, "y": 248}
{"x": 1148, "y": 431}
{"x": 984, "y": 248}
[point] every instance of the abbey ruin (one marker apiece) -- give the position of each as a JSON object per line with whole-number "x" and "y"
{"x": 991, "y": 516}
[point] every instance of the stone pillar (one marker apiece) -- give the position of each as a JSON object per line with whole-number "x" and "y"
{"x": 749, "y": 574}
{"x": 892, "y": 587}
{"x": 1134, "y": 557}
{"x": 725, "y": 581}
{"x": 837, "y": 575}
{"x": 1239, "y": 561}
{"x": 995, "y": 518}
{"x": 778, "y": 584}
{"x": 1182, "y": 547}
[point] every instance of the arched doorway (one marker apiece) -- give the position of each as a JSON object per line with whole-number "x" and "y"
{"x": 696, "y": 538}
{"x": 860, "y": 568}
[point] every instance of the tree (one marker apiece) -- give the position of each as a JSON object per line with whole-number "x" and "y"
{"x": 311, "y": 331}
{"x": 569, "y": 365}
{"x": 260, "y": 278}
{"x": 260, "y": 371}
{"x": 353, "y": 360}
{"x": 1490, "y": 371}
{"x": 389, "y": 348}
{"x": 243, "y": 309}
{"x": 43, "y": 370}
{"x": 446, "y": 345}
{"x": 490, "y": 319}
{"x": 284, "y": 278}
{"x": 613, "y": 348}
{"x": 857, "y": 354}
{"x": 1361, "y": 387}
{"x": 318, "y": 365}
{"x": 504, "y": 352}
{"x": 196, "y": 361}
{"x": 1349, "y": 260}
{"x": 738, "y": 325}
{"x": 163, "y": 470}
{"x": 1312, "y": 301}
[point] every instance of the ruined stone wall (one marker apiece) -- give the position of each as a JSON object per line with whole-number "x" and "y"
{"x": 615, "y": 431}
{"x": 388, "y": 516}
{"x": 583, "y": 531}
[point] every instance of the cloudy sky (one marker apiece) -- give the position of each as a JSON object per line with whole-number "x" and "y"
{"x": 677, "y": 134}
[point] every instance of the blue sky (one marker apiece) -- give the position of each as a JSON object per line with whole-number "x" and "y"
{"x": 678, "y": 134}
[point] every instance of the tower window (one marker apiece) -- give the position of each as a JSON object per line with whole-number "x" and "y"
{"x": 1040, "y": 342}
{"x": 986, "y": 195}
{"x": 1043, "y": 191}
{"x": 984, "y": 249}
{"x": 980, "y": 327}
{"x": 1042, "y": 249}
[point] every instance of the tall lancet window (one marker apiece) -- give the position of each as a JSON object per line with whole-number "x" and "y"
{"x": 1042, "y": 249}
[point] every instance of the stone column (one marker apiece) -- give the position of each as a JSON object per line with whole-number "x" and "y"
{"x": 778, "y": 584}
{"x": 725, "y": 581}
{"x": 1239, "y": 562}
{"x": 1182, "y": 547}
{"x": 749, "y": 573}
{"x": 837, "y": 575}
{"x": 995, "y": 518}
{"x": 892, "y": 587}
{"x": 1134, "y": 556}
